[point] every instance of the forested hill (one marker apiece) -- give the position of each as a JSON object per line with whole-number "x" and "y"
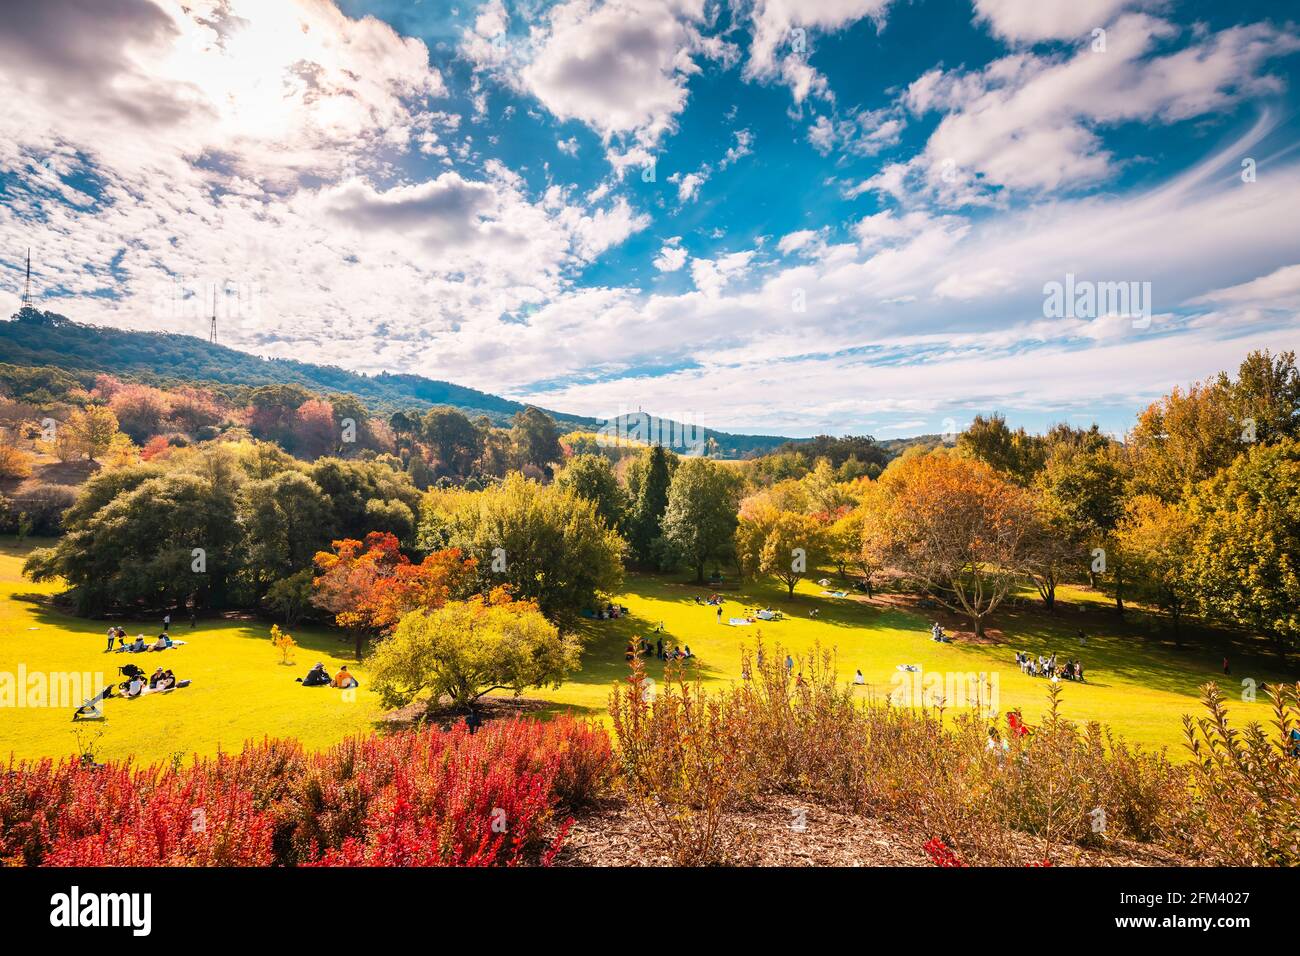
{"x": 35, "y": 338}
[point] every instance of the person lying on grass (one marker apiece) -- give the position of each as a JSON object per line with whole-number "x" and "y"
{"x": 162, "y": 680}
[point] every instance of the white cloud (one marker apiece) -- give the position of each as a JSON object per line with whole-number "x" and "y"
{"x": 1035, "y": 20}
{"x": 1280, "y": 288}
{"x": 1030, "y": 122}
{"x": 781, "y": 27}
{"x": 620, "y": 66}
{"x": 671, "y": 256}
{"x": 711, "y": 275}
{"x": 861, "y": 134}
{"x": 688, "y": 185}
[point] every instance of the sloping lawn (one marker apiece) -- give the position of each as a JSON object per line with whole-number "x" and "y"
{"x": 1139, "y": 685}
{"x": 240, "y": 689}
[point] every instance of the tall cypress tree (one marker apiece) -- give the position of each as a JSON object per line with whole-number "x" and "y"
{"x": 652, "y": 499}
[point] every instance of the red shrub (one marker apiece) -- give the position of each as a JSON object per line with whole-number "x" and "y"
{"x": 420, "y": 798}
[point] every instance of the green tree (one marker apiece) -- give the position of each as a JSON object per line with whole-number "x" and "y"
{"x": 466, "y": 649}
{"x": 794, "y": 546}
{"x": 1156, "y": 538}
{"x": 649, "y": 480}
{"x": 699, "y": 519}
{"x": 1014, "y": 453}
{"x": 284, "y": 521}
{"x": 535, "y": 438}
{"x": 546, "y": 542}
{"x": 1246, "y": 556}
{"x": 1081, "y": 498}
{"x": 592, "y": 477}
{"x": 152, "y": 546}
{"x": 1265, "y": 397}
{"x": 291, "y": 596}
{"x": 454, "y": 440}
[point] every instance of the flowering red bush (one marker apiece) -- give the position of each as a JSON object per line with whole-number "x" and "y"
{"x": 419, "y": 798}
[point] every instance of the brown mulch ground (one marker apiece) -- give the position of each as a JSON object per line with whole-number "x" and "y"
{"x": 783, "y": 831}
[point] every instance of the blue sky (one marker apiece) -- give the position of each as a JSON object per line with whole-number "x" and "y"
{"x": 762, "y": 215}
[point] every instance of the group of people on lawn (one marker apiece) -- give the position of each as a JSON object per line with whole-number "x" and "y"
{"x": 139, "y": 645}
{"x": 1047, "y": 667}
{"x": 640, "y": 647}
{"x": 318, "y": 676}
{"x": 136, "y": 682}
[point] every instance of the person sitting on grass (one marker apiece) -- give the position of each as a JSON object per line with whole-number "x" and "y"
{"x": 859, "y": 680}
{"x": 316, "y": 677}
{"x": 161, "y": 644}
{"x": 344, "y": 680}
{"x": 154, "y": 678}
{"x": 136, "y": 686}
{"x": 167, "y": 681}
{"x": 139, "y": 644}
{"x": 686, "y": 652}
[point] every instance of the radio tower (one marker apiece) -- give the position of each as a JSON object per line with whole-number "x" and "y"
{"x": 212, "y": 336}
{"x": 27, "y": 287}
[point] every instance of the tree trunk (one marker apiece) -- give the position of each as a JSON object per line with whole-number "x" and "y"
{"x": 978, "y": 621}
{"x": 699, "y": 572}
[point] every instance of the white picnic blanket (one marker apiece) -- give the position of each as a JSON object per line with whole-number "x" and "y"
{"x": 839, "y": 594}
{"x": 766, "y": 615}
{"x": 739, "y": 621}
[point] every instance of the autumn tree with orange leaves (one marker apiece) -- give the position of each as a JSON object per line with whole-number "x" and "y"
{"x": 955, "y": 527}
{"x": 369, "y": 586}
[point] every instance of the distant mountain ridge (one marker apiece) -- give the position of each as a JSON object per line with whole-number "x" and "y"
{"x": 40, "y": 338}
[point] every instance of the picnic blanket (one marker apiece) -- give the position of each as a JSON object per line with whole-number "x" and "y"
{"x": 127, "y": 649}
{"x": 739, "y": 621}
{"x": 839, "y": 594}
{"x": 766, "y": 615}
{"x": 908, "y": 667}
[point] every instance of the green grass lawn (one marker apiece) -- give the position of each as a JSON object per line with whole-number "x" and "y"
{"x": 1138, "y": 683}
{"x": 240, "y": 689}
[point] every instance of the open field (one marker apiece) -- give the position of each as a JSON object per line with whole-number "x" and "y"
{"x": 1140, "y": 686}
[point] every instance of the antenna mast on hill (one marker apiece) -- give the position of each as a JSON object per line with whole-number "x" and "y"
{"x": 212, "y": 336}
{"x": 27, "y": 287}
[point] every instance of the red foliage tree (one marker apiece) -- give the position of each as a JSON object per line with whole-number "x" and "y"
{"x": 368, "y": 588}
